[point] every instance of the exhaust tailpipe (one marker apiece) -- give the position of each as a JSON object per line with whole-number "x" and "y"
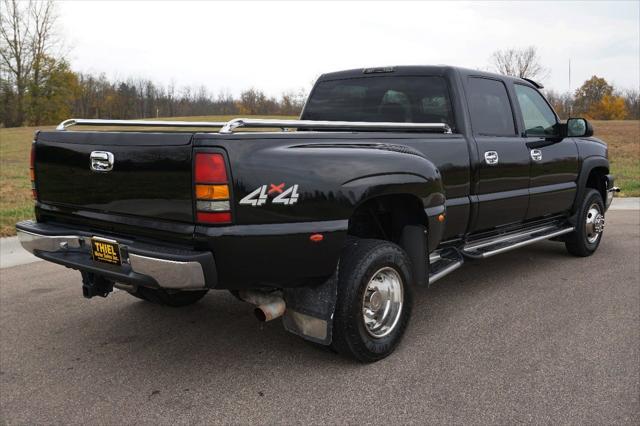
{"x": 269, "y": 306}
{"x": 269, "y": 311}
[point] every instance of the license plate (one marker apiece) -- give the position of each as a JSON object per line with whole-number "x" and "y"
{"x": 103, "y": 250}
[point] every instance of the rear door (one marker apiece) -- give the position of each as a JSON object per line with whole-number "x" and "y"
{"x": 502, "y": 177}
{"x": 554, "y": 161}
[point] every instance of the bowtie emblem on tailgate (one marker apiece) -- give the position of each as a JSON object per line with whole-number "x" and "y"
{"x": 101, "y": 161}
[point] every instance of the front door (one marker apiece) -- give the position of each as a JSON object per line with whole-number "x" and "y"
{"x": 554, "y": 161}
{"x": 502, "y": 176}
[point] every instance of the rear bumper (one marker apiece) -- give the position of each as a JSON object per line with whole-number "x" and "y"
{"x": 142, "y": 264}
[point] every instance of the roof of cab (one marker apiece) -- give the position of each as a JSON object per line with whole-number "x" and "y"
{"x": 417, "y": 70}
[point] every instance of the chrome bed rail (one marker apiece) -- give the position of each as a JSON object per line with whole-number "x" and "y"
{"x": 229, "y": 126}
{"x": 317, "y": 124}
{"x": 135, "y": 123}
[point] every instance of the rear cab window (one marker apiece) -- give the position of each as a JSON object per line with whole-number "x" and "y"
{"x": 404, "y": 99}
{"x": 489, "y": 107}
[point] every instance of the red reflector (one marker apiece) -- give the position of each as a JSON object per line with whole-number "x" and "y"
{"x": 217, "y": 217}
{"x": 210, "y": 168}
{"x": 316, "y": 238}
{"x": 32, "y": 159}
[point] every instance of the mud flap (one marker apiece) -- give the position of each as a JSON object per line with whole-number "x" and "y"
{"x": 310, "y": 310}
{"x": 414, "y": 241}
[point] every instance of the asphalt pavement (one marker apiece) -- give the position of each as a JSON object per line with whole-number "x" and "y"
{"x": 529, "y": 336}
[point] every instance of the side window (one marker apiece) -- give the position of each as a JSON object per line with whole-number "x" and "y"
{"x": 539, "y": 119}
{"x": 489, "y": 107}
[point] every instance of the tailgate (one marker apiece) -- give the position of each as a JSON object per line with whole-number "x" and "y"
{"x": 150, "y": 175}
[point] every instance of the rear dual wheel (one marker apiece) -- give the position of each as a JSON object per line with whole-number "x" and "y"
{"x": 374, "y": 299}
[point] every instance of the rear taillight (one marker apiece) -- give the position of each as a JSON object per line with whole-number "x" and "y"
{"x": 211, "y": 189}
{"x": 32, "y": 171}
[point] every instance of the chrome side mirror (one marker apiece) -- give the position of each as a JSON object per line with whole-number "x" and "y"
{"x": 579, "y": 127}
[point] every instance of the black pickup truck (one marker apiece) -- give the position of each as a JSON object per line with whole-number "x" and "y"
{"x": 391, "y": 179}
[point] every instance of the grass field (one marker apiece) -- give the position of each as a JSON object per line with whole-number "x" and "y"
{"x": 623, "y": 138}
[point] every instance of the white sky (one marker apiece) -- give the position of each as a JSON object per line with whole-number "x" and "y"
{"x": 277, "y": 46}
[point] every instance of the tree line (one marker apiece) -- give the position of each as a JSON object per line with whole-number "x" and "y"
{"x": 65, "y": 93}
{"x": 38, "y": 86}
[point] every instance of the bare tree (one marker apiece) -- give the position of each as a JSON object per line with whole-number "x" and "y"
{"x": 26, "y": 42}
{"x": 42, "y": 45}
{"x": 15, "y": 36}
{"x": 523, "y": 63}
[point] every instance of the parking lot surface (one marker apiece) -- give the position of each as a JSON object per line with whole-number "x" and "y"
{"x": 533, "y": 335}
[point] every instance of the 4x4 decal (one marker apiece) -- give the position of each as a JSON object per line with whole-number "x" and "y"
{"x": 260, "y": 195}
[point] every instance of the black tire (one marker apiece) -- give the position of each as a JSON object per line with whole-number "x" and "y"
{"x": 163, "y": 297}
{"x": 578, "y": 242}
{"x": 360, "y": 261}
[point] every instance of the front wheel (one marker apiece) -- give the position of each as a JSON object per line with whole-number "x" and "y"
{"x": 374, "y": 299}
{"x": 585, "y": 239}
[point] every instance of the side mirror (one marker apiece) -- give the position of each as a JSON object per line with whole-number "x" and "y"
{"x": 579, "y": 127}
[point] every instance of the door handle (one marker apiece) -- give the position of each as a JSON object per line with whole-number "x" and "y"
{"x": 491, "y": 157}
{"x": 536, "y": 155}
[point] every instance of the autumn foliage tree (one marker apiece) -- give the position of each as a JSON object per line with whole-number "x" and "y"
{"x": 610, "y": 107}
{"x": 596, "y": 99}
{"x": 591, "y": 93}
{"x": 50, "y": 99}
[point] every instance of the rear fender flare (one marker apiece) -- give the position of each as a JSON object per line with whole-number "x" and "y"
{"x": 426, "y": 188}
{"x": 418, "y": 239}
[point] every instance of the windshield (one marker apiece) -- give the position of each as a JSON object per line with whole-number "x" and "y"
{"x": 385, "y": 98}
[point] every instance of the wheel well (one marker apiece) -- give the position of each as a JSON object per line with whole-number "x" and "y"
{"x": 596, "y": 180}
{"x": 384, "y": 217}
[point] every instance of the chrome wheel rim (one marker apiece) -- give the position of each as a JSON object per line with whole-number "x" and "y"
{"x": 594, "y": 223}
{"x": 382, "y": 302}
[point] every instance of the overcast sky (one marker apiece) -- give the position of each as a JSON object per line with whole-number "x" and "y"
{"x": 277, "y": 46}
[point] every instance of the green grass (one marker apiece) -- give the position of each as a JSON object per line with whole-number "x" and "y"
{"x": 623, "y": 138}
{"x": 15, "y": 187}
{"x": 626, "y": 174}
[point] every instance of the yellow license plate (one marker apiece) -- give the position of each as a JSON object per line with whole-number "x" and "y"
{"x": 103, "y": 250}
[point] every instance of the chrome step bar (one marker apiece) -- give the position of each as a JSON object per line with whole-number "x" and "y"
{"x": 488, "y": 248}
{"x": 485, "y": 242}
{"x": 443, "y": 262}
{"x": 229, "y": 126}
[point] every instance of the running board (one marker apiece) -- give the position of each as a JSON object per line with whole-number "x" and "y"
{"x": 443, "y": 262}
{"x": 490, "y": 247}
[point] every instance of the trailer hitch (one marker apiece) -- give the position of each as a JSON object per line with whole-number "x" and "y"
{"x": 95, "y": 285}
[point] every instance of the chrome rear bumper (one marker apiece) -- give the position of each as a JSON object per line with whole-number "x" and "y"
{"x": 150, "y": 266}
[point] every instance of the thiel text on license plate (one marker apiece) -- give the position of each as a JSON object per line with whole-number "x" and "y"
{"x": 105, "y": 251}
